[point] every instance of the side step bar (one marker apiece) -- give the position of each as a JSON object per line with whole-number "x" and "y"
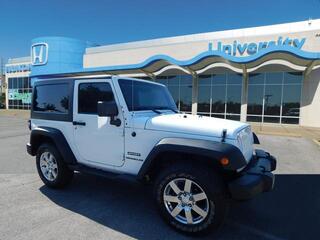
{"x": 98, "y": 172}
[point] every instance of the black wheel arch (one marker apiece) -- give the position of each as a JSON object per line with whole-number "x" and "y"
{"x": 54, "y": 136}
{"x": 201, "y": 151}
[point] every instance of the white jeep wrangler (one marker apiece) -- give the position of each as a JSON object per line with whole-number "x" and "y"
{"x": 120, "y": 126}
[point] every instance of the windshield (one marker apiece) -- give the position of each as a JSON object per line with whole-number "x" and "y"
{"x": 146, "y": 96}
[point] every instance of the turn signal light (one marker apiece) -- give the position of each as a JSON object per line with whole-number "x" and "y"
{"x": 224, "y": 161}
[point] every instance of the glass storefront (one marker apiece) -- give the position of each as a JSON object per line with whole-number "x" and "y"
{"x": 220, "y": 95}
{"x": 274, "y": 97}
{"x": 180, "y": 87}
{"x": 19, "y": 93}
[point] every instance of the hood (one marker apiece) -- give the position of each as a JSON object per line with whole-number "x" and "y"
{"x": 194, "y": 124}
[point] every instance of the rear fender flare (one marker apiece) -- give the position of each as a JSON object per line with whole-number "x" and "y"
{"x": 56, "y": 137}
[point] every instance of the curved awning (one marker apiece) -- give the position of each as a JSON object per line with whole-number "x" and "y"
{"x": 200, "y": 63}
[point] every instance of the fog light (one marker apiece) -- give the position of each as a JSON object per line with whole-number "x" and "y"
{"x": 224, "y": 161}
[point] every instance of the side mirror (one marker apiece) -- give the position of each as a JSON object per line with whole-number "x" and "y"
{"x": 107, "y": 109}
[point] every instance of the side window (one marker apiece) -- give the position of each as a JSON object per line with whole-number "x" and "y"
{"x": 51, "y": 98}
{"x": 90, "y": 94}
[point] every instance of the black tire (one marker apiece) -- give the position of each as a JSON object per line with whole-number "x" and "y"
{"x": 64, "y": 174}
{"x": 212, "y": 185}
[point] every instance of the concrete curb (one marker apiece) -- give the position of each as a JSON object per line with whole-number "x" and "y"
{"x": 280, "y": 134}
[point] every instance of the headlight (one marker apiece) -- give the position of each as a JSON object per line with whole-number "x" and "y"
{"x": 239, "y": 140}
{"x": 245, "y": 139}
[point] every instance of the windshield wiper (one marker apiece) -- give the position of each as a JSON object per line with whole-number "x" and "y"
{"x": 168, "y": 108}
{"x": 156, "y": 111}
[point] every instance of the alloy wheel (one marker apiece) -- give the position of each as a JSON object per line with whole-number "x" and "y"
{"x": 186, "y": 201}
{"x": 48, "y": 166}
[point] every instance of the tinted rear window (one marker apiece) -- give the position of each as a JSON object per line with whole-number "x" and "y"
{"x": 52, "y": 98}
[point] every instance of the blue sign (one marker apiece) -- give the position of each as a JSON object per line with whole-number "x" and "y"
{"x": 252, "y": 48}
{"x": 39, "y": 54}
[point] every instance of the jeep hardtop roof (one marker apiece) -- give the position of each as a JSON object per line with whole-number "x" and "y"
{"x": 91, "y": 77}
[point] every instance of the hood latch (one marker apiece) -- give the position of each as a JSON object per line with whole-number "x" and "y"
{"x": 224, "y": 135}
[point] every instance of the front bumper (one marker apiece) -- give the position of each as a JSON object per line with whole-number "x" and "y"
{"x": 29, "y": 149}
{"x": 256, "y": 178}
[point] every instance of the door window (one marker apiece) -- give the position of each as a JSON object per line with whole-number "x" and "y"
{"x": 90, "y": 94}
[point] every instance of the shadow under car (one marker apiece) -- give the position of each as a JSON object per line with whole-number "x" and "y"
{"x": 290, "y": 211}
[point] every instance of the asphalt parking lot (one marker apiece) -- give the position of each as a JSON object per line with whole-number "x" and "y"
{"x": 97, "y": 208}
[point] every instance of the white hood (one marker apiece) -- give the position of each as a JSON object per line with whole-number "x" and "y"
{"x": 193, "y": 124}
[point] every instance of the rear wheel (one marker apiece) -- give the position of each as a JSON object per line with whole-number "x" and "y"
{"x": 52, "y": 170}
{"x": 191, "y": 198}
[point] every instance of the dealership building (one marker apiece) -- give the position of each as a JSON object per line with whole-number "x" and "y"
{"x": 266, "y": 74}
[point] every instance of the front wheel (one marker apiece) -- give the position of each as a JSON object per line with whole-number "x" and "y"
{"x": 191, "y": 199}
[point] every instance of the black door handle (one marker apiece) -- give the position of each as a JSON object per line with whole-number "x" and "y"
{"x": 78, "y": 123}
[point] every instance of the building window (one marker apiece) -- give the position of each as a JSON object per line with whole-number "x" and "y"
{"x": 19, "y": 93}
{"x": 220, "y": 95}
{"x": 180, "y": 87}
{"x": 274, "y": 97}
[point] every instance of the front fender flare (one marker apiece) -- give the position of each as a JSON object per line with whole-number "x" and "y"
{"x": 205, "y": 148}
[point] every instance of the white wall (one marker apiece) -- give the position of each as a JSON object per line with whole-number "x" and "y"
{"x": 188, "y": 46}
{"x": 310, "y": 100}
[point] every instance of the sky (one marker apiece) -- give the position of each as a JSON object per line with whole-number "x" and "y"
{"x": 106, "y": 21}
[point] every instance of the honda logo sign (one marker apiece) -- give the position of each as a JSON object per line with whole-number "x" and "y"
{"x": 39, "y": 54}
